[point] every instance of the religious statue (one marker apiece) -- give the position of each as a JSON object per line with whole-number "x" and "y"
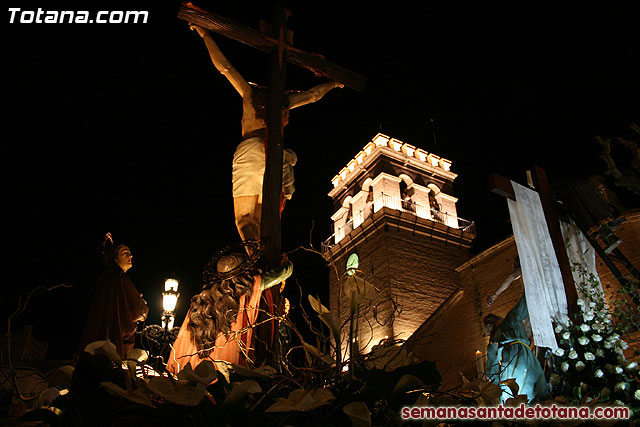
{"x": 509, "y": 353}
{"x": 219, "y": 324}
{"x": 117, "y": 305}
{"x": 249, "y": 158}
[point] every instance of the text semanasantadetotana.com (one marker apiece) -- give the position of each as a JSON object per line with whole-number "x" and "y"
{"x": 521, "y": 412}
{"x": 40, "y": 16}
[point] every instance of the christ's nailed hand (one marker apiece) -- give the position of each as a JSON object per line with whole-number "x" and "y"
{"x": 199, "y": 30}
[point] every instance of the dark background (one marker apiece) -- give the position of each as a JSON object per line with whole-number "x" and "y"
{"x": 130, "y": 129}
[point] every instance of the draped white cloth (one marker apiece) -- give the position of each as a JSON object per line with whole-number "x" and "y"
{"x": 582, "y": 255}
{"x": 544, "y": 289}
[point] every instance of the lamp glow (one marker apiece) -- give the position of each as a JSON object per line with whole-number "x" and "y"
{"x": 171, "y": 284}
{"x": 169, "y": 302}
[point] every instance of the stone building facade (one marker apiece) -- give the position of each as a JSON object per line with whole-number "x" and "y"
{"x": 396, "y": 215}
{"x": 398, "y": 241}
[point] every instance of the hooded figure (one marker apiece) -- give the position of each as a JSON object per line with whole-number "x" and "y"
{"x": 117, "y": 305}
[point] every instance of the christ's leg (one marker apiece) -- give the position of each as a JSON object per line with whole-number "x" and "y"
{"x": 247, "y": 211}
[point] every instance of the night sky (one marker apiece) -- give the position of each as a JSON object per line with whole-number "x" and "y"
{"x": 130, "y": 129}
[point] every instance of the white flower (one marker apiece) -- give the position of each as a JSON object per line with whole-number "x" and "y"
{"x": 624, "y": 345}
{"x": 622, "y": 360}
{"x": 583, "y": 340}
{"x": 597, "y": 326}
{"x": 637, "y": 394}
{"x": 608, "y": 344}
{"x": 599, "y": 352}
{"x": 619, "y": 351}
{"x": 598, "y": 374}
{"x": 589, "y": 356}
{"x": 596, "y": 337}
{"x": 588, "y": 317}
{"x": 579, "y": 365}
{"x": 580, "y": 302}
{"x": 632, "y": 365}
{"x": 564, "y": 366}
{"x": 621, "y": 386}
{"x": 592, "y": 304}
{"x": 613, "y": 337}
{"x": 584, "y": 327}
{"x": 566, "y": 335}
{"x": 619, "y": 370}
{"x": 559, "y": 352}
{"x": 573, "y": 354}
{"x": 558, "y": 329}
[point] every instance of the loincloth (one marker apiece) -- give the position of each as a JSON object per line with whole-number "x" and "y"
{"x": 248, "y": 169}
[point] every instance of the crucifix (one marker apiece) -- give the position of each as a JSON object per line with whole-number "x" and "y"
{"x": 259, "y": 216}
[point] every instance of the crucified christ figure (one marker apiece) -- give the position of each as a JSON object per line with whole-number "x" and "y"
{"x": 249, "y": 158}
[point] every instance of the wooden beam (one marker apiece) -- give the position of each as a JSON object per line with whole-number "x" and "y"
{"x": 247, "y": 35}
{"x": 270, "y": 225}
{"x": 553, "y": 224}
{"x": 501, "y": 186}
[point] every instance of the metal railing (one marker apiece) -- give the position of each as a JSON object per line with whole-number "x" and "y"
{"x": 385, "y": 200}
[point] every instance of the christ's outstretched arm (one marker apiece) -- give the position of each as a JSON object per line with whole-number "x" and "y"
{"x": 222, "y": 63}
{"x": 312, "y": 95}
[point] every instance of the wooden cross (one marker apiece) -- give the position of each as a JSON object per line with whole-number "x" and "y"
{"x": 280, "y": 51}
{"x": 502, "y": 186}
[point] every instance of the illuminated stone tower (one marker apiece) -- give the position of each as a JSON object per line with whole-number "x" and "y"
{"x": 395, "y": 220}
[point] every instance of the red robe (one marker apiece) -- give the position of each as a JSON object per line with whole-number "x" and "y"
{"x": 117, "y": 306}
{"x": 184, "y": 350}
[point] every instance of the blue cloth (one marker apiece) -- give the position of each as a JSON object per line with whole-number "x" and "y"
{"x": 509, "y": 356}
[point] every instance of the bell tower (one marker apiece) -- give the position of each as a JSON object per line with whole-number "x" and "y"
{"x": 396, "y": 222}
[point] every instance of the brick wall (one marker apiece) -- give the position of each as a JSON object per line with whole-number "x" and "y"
{"x": 629, "y": 232}
{"x": 454, "y": 335}
{"x": 415, "y": 271}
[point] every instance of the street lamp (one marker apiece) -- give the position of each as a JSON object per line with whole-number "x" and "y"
{"x": 169, "y": 300}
